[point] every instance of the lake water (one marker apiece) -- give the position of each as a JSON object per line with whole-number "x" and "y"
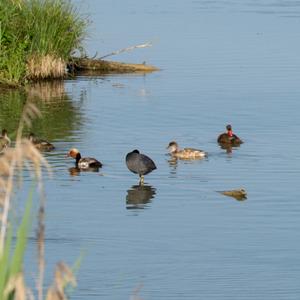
{"x": 177, "y": 238}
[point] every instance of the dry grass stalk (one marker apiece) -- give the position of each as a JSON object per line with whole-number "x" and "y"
{"x": 16, "y": 284}
{"x": 41, "y": 248}
{"x": 63, "y": 277}
{"x": 12, "y": 162}
{"x": 24, "y": 154}
{"x": 135, "y": 294}
{"x": 31, "y": 112}
{"x": 45, "y": 66}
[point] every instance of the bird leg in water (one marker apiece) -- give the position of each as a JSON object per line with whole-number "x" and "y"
{"x": 141, "y": 179}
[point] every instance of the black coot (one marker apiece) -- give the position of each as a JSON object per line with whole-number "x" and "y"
{"x": 139, "y": 164}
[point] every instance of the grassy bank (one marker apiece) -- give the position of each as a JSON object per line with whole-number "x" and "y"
{"x": 37, "y": 38}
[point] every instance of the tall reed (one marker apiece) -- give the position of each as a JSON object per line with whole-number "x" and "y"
{"x": 37, "y": 37}
{"x": 12, "y": 163}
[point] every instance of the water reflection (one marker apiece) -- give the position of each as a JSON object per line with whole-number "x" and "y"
{"x": 229, "y": 148}
{"x": 173, "y": 163}
{"x": 74, "y": 171}
{"x": 60, "y": 115}
{"x": 138, "y": 196}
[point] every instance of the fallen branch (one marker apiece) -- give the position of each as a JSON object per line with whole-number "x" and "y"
{"x": 104, "y": 66}
{"x": 146, "y": 45}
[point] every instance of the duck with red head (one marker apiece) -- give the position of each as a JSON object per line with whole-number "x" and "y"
{"x": 4, "y": 140}
{"x": 229, "y": 138}
{"x": 84, "y": 163}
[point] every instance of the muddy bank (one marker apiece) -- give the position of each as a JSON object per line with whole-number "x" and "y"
{"x": 88, "y": 65}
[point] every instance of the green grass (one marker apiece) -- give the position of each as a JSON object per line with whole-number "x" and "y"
{"x": 11, "y": 260}
{"x": 37, "y": 35}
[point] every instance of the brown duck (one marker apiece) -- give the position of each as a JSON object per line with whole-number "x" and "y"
{"x": 40, "y": 144}
{"x": 238, "y": 194}
{"x": 186, "y": 153}
{"x": 229, "y": 138}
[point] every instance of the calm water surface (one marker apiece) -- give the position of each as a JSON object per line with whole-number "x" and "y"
{"x": 176, "y": 237}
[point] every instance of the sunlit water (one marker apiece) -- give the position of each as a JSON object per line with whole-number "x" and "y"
{"x": 177, "y": 238}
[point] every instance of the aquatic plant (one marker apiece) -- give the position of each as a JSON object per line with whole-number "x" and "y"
{"x": 12, "y": 164}
{"x": 37, "y": 38}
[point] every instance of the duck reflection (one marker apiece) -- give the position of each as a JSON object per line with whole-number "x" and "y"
{"x": 76, "y": 171}
{"x": 173, "y": 163}
{"x": 228, "y": 148}
{"x": 138, "y": 196}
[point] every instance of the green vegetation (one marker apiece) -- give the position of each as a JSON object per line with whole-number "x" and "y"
{"x": 60, "y": 116}
{"x": 11, "y": 267}
{"x": 37, "y": 38}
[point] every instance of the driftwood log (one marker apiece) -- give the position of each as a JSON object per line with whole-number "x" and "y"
{"x": 79, "y": 65}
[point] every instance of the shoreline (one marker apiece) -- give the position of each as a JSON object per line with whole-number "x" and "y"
{"x": 89, "y": 67}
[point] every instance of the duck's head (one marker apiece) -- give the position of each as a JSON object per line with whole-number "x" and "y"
{"x": 173, "y": 147}
{"x": 228, "y": 127}
{"x": 73, "y": 153}
{"x": 229, "y": 130}
{"x": 243, "y": 191}
{"x": 4, "y": 132}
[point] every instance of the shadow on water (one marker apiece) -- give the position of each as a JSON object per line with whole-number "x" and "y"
{"x": 138, "y": 196}
{"x": 60, "y": 115}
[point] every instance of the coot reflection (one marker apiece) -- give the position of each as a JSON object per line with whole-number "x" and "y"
{"x": 138, "y": 196}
